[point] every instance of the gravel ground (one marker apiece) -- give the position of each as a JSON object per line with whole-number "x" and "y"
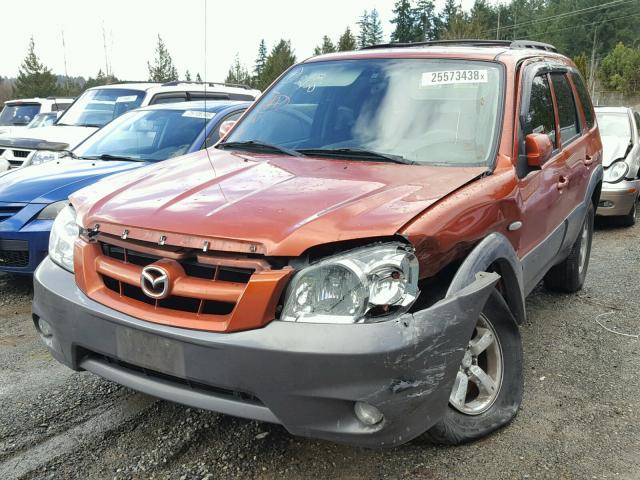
{"x": 579, "y": 418}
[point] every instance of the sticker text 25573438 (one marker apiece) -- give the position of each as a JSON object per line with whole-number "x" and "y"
{"x": 448, "y": 77}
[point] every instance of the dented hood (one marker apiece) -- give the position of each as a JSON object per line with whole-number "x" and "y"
{"x": 614, "y": 148}
{"x": 283, "y": 205}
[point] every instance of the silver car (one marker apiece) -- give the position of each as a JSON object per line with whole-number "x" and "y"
{"x": 620, "y": 132}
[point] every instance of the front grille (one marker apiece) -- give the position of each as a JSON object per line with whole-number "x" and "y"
{"x": 14, "y": 253}
{"x": 15, "y": 163}
{"x": 208, "y": 290}
{"x": 9, "y": 211}
{"x": 21, "y": 153}
{"x": 183, "y": 382}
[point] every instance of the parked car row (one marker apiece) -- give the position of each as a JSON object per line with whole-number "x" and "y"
{"x": 350, "y": 260}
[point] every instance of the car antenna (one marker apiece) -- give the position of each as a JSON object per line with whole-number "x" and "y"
{"x": 206, "y": 146}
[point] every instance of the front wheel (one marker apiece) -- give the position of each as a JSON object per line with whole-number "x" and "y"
{"x": 488, "y": 388}
{"x": 628, "y": 220}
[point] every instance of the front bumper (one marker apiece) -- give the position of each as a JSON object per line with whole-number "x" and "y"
{"x": 617, "y": 199}
{"x": 21, "y": 251}
{"x": 303, "y": 376}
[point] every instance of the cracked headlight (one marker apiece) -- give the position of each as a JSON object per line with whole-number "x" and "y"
{"x": 616, "y": 171}
{"x": 362, "y": 285}
{"x": 64, "y": 232}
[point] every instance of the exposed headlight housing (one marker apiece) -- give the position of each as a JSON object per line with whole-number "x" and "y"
{"x": 616, "y": 171}
{"x": 64, "y": 232}
{"x": 44, "y": 156}
{"x": 362, "y": 285}
{"x": 51, "y": 211}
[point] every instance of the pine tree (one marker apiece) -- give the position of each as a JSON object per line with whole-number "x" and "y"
{"x": 280, "y": 58}
{"x": 403, "y": 20}
{"x": 326, "y": 47}
{"x": 363, "y": 35}
{"x": 375, "y": 28}
{"x": 425, "y": 23}
{"x": 163, "y": 69}
{"x": 101, "y": 79}
{"x": 347, "y": 41}
{"x": 238, "y": 73}
{"x": 261, "y": 59}
{"x": 34, "y": 79}
{"x": 187, "y": 76}
{"x": 450, "y": 11}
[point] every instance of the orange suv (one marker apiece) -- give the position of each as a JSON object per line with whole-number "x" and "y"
{"x": 352, "y": 260}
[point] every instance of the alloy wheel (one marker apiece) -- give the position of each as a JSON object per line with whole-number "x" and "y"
{"x": 479, "y": 377}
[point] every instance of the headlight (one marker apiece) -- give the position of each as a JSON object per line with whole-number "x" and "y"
{"x": 51, "y": 211}
{"x": 363, "y": 285}
{"x": 616, "y": 171}
{"x": 44, "y": 156}
{"x": 64, "y": 232}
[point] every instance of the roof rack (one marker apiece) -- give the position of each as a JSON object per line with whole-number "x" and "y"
{"x": 470, "y": 43}
{"x": 210, "y": 84}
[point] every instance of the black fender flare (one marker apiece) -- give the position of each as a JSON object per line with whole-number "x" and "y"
{"x": 494, "y": 249}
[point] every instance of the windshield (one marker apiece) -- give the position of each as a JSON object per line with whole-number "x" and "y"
{"x": 18, "y": 114}
{"x": 96, "y": 108}
{"x": 148, "y": 135}
{"x": 427, "y": 111}
{"x": 43, "y": 120}
{"x": 614, "y": 124}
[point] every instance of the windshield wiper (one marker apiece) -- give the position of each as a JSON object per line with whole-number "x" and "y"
{"x": 357, "y": 154}
{"x": 115, "y": 158}
{"x": 252, "y": 145}
{"x": 91, "y": 125}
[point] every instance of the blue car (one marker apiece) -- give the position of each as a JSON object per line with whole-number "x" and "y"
{"x": 30, "y": 198}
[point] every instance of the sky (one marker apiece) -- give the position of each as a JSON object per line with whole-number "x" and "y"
{"x": 131, "y": 28}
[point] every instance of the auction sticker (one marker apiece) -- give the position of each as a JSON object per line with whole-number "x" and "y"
{"x": 198, "y": 114}
{"x": 127, "y": 98}
{"x": 449, "y": 77}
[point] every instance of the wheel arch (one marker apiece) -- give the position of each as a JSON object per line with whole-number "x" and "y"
{"x": 494, "y": 253}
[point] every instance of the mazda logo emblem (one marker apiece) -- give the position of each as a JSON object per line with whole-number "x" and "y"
{"x": 154, "y": 282}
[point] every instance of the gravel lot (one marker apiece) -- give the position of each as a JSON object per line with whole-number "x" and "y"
{"x": 579, "y": 418}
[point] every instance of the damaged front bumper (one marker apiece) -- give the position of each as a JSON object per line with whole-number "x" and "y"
{"x": 306, "y": 377}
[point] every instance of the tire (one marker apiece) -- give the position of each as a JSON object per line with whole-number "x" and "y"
{"x": 569, "y": 275}
{"x": 628, "y": 220}
{"x": 456, "y": 427}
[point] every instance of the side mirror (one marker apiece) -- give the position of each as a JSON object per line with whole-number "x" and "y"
{"x": 226, "y": 127}
{"x": 539, "y": 148}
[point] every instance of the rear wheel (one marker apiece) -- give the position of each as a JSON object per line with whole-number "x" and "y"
{"x": 487, "y": 391}
{"x": 569, "y": 275}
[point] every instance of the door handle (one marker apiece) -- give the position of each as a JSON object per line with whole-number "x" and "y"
{"x": 588, "y": 160}
{"x": 563, "y": 182}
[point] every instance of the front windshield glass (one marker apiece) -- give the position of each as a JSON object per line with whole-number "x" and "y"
{"x": 614, "y": 124}
{"x": 429, "y": 111}
{"x": 96, "y": 108}
{"x": 146, "y": 135}
{"x": 18, "y": 114}
{"x": 43, "y": 120}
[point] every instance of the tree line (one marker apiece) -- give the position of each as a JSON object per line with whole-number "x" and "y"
{"x": 602, "y": 37}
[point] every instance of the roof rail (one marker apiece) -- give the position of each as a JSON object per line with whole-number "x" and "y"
{"x": 174, "y": 83}
{"x": 471, "y": 43}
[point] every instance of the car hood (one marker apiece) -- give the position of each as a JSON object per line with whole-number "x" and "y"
{"x": 279, "y": 205}
{"x": 54, "y": 181}
{"x": 71, "y": 136}
{"x": 614, "y": 148}
{"x": 12, "y": 130}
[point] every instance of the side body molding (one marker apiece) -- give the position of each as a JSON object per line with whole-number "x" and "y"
{"x": 494, "y": 249}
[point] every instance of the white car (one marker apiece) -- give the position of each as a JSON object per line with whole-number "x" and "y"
{"x": 17, "y": 114}
{"x": 96, "y": 107}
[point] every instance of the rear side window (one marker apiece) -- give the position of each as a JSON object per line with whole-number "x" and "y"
{"x": 567, "y": 113}
{"x": 585, "y": 100}
{"x": 637, "y": 117}
{"x": 541, "y": 118}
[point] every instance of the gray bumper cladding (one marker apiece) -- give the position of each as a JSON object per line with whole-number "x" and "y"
{"x": 306, "y": 377}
